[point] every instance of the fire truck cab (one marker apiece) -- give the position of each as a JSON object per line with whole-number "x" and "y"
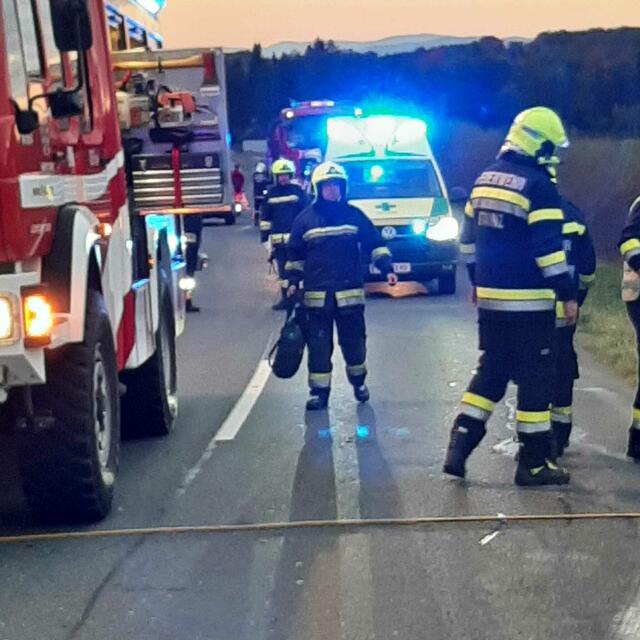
{"x": 90, "y": 291}
{"x": 300, "y": 133}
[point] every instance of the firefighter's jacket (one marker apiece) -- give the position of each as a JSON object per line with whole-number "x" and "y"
{"x": 280, "y": 207}
{"x": 629, "y": 246}
{"x": 328, "y": 242}
{"x": 512, "y": 239}
{"x": 581, "y": 255}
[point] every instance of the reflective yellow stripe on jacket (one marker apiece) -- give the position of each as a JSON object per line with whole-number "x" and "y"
{"x": 502, "y": 200}
{"x": 516, "y": 299}
{"x": 326, "y": 232}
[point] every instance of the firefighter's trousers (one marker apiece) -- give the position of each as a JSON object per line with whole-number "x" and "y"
{"x": 566, "y": 373}
{"x": 193, "y": 224}
{"x": 633, "y": 309}
{"x": 518, "y": 350}
{"x": 350, "y": 324}
{"x": 280, "y": 256}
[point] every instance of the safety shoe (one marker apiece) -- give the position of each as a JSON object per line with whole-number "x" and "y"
{"x": 633, "y": 450}
{"x": 361, "y": 393}
{"x": 463, "y": 441}
{"x": 191, "y": 308}
{"x": 546, "y": 474}
{"x": 318, "y": 401}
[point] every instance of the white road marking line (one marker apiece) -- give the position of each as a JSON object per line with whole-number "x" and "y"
{"x": 240, "y": 412}
{"x": 626, "y": 625}
{"x": 234, "y": 421}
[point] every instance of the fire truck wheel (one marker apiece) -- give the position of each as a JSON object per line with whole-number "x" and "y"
{"x": 69, "y": 456}
{"x": 150, "y": 405}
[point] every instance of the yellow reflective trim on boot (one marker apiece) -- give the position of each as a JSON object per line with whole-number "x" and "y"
{"x": 636, "y": 414}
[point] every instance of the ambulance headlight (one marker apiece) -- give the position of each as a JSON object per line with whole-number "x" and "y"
{"x": 446, "y": 229}
{"x": 419, "y": 227}
{"x": 237, "y": 208}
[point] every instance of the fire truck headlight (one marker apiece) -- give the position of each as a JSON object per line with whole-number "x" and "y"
{"x": 7, "y": 322}
{"x": 445, "y": 230}
{"x": 38, "y": 320}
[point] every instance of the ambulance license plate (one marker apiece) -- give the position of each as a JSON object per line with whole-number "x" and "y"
{"x": 402, "y": 267}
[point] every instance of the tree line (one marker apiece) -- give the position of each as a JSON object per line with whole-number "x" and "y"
{"x": 591, "y": 78}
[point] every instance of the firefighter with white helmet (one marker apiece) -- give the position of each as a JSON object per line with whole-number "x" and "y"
{"x": 325, "y": 251}
{"x": 513, "y": 244}
{"x": 282, "y": 203}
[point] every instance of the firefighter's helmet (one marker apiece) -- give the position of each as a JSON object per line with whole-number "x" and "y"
{"x": 282, "y": 166}
{"x": 328, "y": 171}
{"x": 537, "y": 132}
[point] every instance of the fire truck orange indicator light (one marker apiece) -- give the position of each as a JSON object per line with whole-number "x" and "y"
{"x": 38, "y": 320}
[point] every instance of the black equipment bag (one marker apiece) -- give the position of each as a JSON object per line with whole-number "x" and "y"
{"x": 286, "y": 355}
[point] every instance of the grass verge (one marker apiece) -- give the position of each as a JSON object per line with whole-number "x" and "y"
{"x": 605, "y": 330}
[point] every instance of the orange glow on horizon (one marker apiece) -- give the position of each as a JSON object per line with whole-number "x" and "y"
{"x": 240, "y": 23}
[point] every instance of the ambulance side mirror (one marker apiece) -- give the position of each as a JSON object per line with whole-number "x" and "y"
{"x": 71, "y": 25}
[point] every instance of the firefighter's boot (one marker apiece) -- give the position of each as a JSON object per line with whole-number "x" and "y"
{"x": 633, "y": 450}
{"x": 465, "y": 437}
{"x": 534, "y": 466}
{"x": 319, "y": 400}
{"x": 361, "y": 393}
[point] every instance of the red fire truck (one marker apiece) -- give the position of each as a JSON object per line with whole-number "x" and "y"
{"x": 299, "y": 133}
{"x": 90, "y": 287}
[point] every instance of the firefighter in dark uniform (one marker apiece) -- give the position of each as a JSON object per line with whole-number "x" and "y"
{"x": 630, "y": 249}
{"x": 325, "y": 249}
{"x": 512, "y": 241}
{"x": 283, "y": 202}
{"x": 581, "y": 258}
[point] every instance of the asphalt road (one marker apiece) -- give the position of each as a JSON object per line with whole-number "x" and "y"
{"x": 577, "y": 580}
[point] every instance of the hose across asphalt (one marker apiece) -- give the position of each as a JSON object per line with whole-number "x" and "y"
{"x": 283, "y": 527}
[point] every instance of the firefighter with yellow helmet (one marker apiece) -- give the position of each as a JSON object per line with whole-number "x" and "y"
{"x": 513, "y": 245}
{"x": 282, "y": 203}
{"x": 325, "y": 251}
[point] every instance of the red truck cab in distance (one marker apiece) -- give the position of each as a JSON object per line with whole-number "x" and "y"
{"x": 299, "y": 133}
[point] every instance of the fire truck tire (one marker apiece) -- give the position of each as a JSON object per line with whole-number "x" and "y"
{"x": 447, "y": 284}
{"x": 150, "y": 404}
{"x": 68, "y": 464}
{"x": 229, "y": 220}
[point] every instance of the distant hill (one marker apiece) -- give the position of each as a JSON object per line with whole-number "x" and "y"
{"x": 386, "y": 46}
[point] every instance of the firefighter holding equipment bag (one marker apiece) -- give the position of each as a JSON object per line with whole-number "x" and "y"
{"x": 325, "y": 252}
